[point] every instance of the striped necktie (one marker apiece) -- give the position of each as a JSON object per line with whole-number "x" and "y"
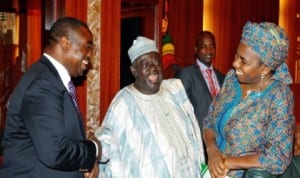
{"x": 212, "y": 87}
{"x": 73, "y": 93}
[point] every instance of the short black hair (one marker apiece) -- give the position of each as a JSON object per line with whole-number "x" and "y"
{"x": 201, "y": 34}
{"x": 64, "y": 27}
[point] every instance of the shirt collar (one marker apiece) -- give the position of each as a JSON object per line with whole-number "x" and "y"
{"x": 62, "y": 71}
{"x": 202, "y": 66}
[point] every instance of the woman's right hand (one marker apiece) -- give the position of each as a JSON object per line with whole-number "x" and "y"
{"x": 216, "y": 159}
{"x": 216, "y": 162}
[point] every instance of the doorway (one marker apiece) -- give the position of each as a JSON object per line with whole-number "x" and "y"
{"x": 138, "y": 18}
{"x": 130, "y": 29}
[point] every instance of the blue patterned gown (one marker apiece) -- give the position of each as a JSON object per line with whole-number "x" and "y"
{"x": 262, "y": 122}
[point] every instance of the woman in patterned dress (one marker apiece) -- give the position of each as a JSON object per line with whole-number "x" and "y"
{"x": 251, "y": 122}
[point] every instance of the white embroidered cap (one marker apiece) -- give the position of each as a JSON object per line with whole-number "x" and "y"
{"x": 141, "y": 45}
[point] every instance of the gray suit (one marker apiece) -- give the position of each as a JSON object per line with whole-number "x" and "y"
{"x": 197, "y": 89}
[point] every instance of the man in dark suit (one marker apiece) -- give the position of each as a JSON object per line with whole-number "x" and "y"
{"x": 44, "y": 134}
{"x": 195, "y": 78}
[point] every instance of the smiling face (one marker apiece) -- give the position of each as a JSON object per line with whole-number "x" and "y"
{"x": 205, "y": 48}
{"x": 248, "y": 65}
{"x": 78, "y": 49}
{"x": 147, "y": 70}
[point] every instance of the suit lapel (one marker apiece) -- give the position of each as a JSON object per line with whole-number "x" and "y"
{"x": 200, "y": 76}
{"x": 60, "y": 84}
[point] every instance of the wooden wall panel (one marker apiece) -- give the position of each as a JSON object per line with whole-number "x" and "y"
{"x": 296, "y": 91}
{"x": 78, "y": 9}
{"x": 110, "y": 52}
{"x": 7, "y": 54}
{"x": 185, "y": 21}
{"x": 34, "y": 26}
{"x": 289, "y": 21}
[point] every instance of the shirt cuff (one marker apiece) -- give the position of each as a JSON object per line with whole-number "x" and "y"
{"x": 97, "y": 149}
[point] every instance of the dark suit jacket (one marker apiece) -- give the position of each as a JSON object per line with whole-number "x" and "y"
{"x": 197, "y": 89}
{"x": 44, "y": 135}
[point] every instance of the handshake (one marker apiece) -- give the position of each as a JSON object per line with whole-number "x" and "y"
{"x": 95, "y": 171}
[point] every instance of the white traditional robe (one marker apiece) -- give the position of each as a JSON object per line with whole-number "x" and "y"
{"x": 151, "y": 136}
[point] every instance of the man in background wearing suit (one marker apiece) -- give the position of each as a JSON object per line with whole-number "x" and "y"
{"x": 197, "y": 80}
{"x": 201, "y": 80}
{"x": 44, "y": 134}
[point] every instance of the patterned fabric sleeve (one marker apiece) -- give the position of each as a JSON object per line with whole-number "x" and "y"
{"x": 279, "y": 136}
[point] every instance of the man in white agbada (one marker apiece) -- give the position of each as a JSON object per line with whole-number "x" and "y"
{"x": 150, "y": 130}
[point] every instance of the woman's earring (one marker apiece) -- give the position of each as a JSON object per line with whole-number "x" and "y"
{"x": 262, "y": 77}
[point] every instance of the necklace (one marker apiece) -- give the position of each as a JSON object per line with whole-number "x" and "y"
{"x": 248, "y": 92}
{"x": 261, "y": 86}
